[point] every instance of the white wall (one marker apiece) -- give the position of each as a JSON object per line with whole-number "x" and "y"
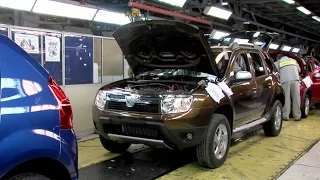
{"x": 82, "y": 97}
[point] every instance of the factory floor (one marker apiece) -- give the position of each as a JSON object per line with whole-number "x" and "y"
{"x": 293, "y": 155}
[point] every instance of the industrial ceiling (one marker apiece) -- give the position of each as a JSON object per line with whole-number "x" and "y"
{"x": 283, "y": 16}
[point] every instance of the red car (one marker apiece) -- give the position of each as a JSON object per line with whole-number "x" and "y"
{"x": 310, "y": 68}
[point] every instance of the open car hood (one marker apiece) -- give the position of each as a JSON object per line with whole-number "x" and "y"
{"x": 259, "y": 38}
{"x": 163, "y": 44}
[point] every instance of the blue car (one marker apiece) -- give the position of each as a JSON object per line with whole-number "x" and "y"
{"x": 37, "y": 141}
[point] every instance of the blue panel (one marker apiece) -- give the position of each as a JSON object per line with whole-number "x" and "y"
{"x": 36, "y": 56}
{"x": 54, "y": 66}
{"x": 4, "y": 31}
{"x": 79, "y": 60}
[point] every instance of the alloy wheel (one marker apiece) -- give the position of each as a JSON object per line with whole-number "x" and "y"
{"x": 278, "y": 117}
{"x": 307, "y": 106}
{"x": 221, "y": 139}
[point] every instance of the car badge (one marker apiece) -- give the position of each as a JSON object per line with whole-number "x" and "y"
{"x": 132, "y": 99}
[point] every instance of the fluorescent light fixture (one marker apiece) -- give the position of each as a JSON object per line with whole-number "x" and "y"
{"x": 317, "y": 18}
{"x": 217, "y": 12}
{"x": 241, "y": 41}
{"x": 286, "y": 48}
{"x": 256, "y": 34}
{"x": 22, "y": 5}
{"x": 215, "y": 34}
{"x": 55, "y": 8}
{"x": 304, "y": 10}
{"x": 179, "y": 3}
{"x": 111, "y": 17}
{"x": 273, "y": 46}
{"x": 224, "y": 3}
{"x": 259, "y": 43}
{"x": 295, "y": 50}
{"x": 289, "y": 1}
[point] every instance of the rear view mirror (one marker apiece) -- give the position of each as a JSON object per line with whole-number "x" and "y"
{"x": 317, "y": 75}
{"x": 243, "y": 76}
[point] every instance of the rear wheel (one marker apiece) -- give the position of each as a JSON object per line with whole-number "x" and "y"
{"x": 213, "y": 150}
{"x": 273, "y": 127}
{"x": 29, "y": 176}
{"x": 305, "y": 106}
{"x": 114, "y": 147}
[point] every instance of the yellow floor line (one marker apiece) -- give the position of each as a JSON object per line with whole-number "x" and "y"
{"x": 92, "y": 152}
{"x": 259, "y": 157}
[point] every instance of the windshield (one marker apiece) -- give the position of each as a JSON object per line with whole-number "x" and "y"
{"x": 257, "y": 38}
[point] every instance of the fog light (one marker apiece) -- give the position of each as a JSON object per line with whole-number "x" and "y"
{"x": 189, "y": 136}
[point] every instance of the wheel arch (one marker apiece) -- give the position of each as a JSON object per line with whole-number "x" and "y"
{"x": 40, "y": 166}
{"x": 227, "y": 111}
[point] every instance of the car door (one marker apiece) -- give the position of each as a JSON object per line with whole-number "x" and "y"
{"x": 263, "y": 82}
{"x": 244, "y": 91}
{"x": 315, "y": 87}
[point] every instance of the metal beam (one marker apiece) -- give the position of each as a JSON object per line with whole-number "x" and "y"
{"x": 274, "y": 29}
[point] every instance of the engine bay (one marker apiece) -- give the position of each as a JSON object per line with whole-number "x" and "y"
{"x": 161, "y": 87}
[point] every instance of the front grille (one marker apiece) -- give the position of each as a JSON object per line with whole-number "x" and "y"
{"x": 143, "y": 132}
{"x": 149, "y": 108}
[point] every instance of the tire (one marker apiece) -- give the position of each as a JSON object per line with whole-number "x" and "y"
{"x": 29, "y": 176}
{"x": 113, "y": 146}
{"x": 206, "y": 149}
{"x": 273, "y": 127}
{"x": 305, "y": 106}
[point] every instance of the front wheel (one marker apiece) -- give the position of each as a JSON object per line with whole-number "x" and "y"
{"x": 114, "y": 147}
{"x": 273, "y": 127}
{"x": 213, "y": 150}
{"x": 305, "y": 106}
{"x": 29, "y": 176}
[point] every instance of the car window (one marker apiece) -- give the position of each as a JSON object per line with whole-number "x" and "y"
{"x": 241, "y": 64}
{"x": 309, "y": 67}
{"x": 258, "y": 64}
{"x": 270, "y": 63}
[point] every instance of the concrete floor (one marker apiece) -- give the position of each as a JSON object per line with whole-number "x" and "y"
{"x": 305, "y": 168}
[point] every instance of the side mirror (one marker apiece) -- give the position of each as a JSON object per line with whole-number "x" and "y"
{"x": 317, "y": 75}
{"x": 243, "y": 76}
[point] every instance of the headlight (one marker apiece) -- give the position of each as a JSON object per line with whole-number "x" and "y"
{"x": 176, "y": 104}
{"x": 100, "y": 100}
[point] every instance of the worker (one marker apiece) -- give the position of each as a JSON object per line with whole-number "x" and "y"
{"x": 289, "y": 77}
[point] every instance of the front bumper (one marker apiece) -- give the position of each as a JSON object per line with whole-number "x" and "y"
{"x": 165, "y": 134}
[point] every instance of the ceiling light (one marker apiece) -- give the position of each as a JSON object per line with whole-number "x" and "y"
{"x": 274, "y": 46}
{"x": 179, "y": 3}
{"x": 111, "y": 17}
{"x": 289, "y": 1}
{"x": 259, "y": 43}
{"x": 286, "y": 48}
{"x": 241, "y": 41}
{"x": 295, "y": 50}
{"x": 317, "y": 18}
{"x": 217, "y": 12}
{"x": 25, "y": 5}
{"x": 55, "y": 8}
{"x": 215, "y": 34}
{"x": 304, "y": 10}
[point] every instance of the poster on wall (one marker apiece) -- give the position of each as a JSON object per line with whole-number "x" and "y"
{"x": 52, "y": 48}
{"x": 30, "y": 43}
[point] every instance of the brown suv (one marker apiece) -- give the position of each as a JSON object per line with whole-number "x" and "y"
{"x": 166, "y": 103}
